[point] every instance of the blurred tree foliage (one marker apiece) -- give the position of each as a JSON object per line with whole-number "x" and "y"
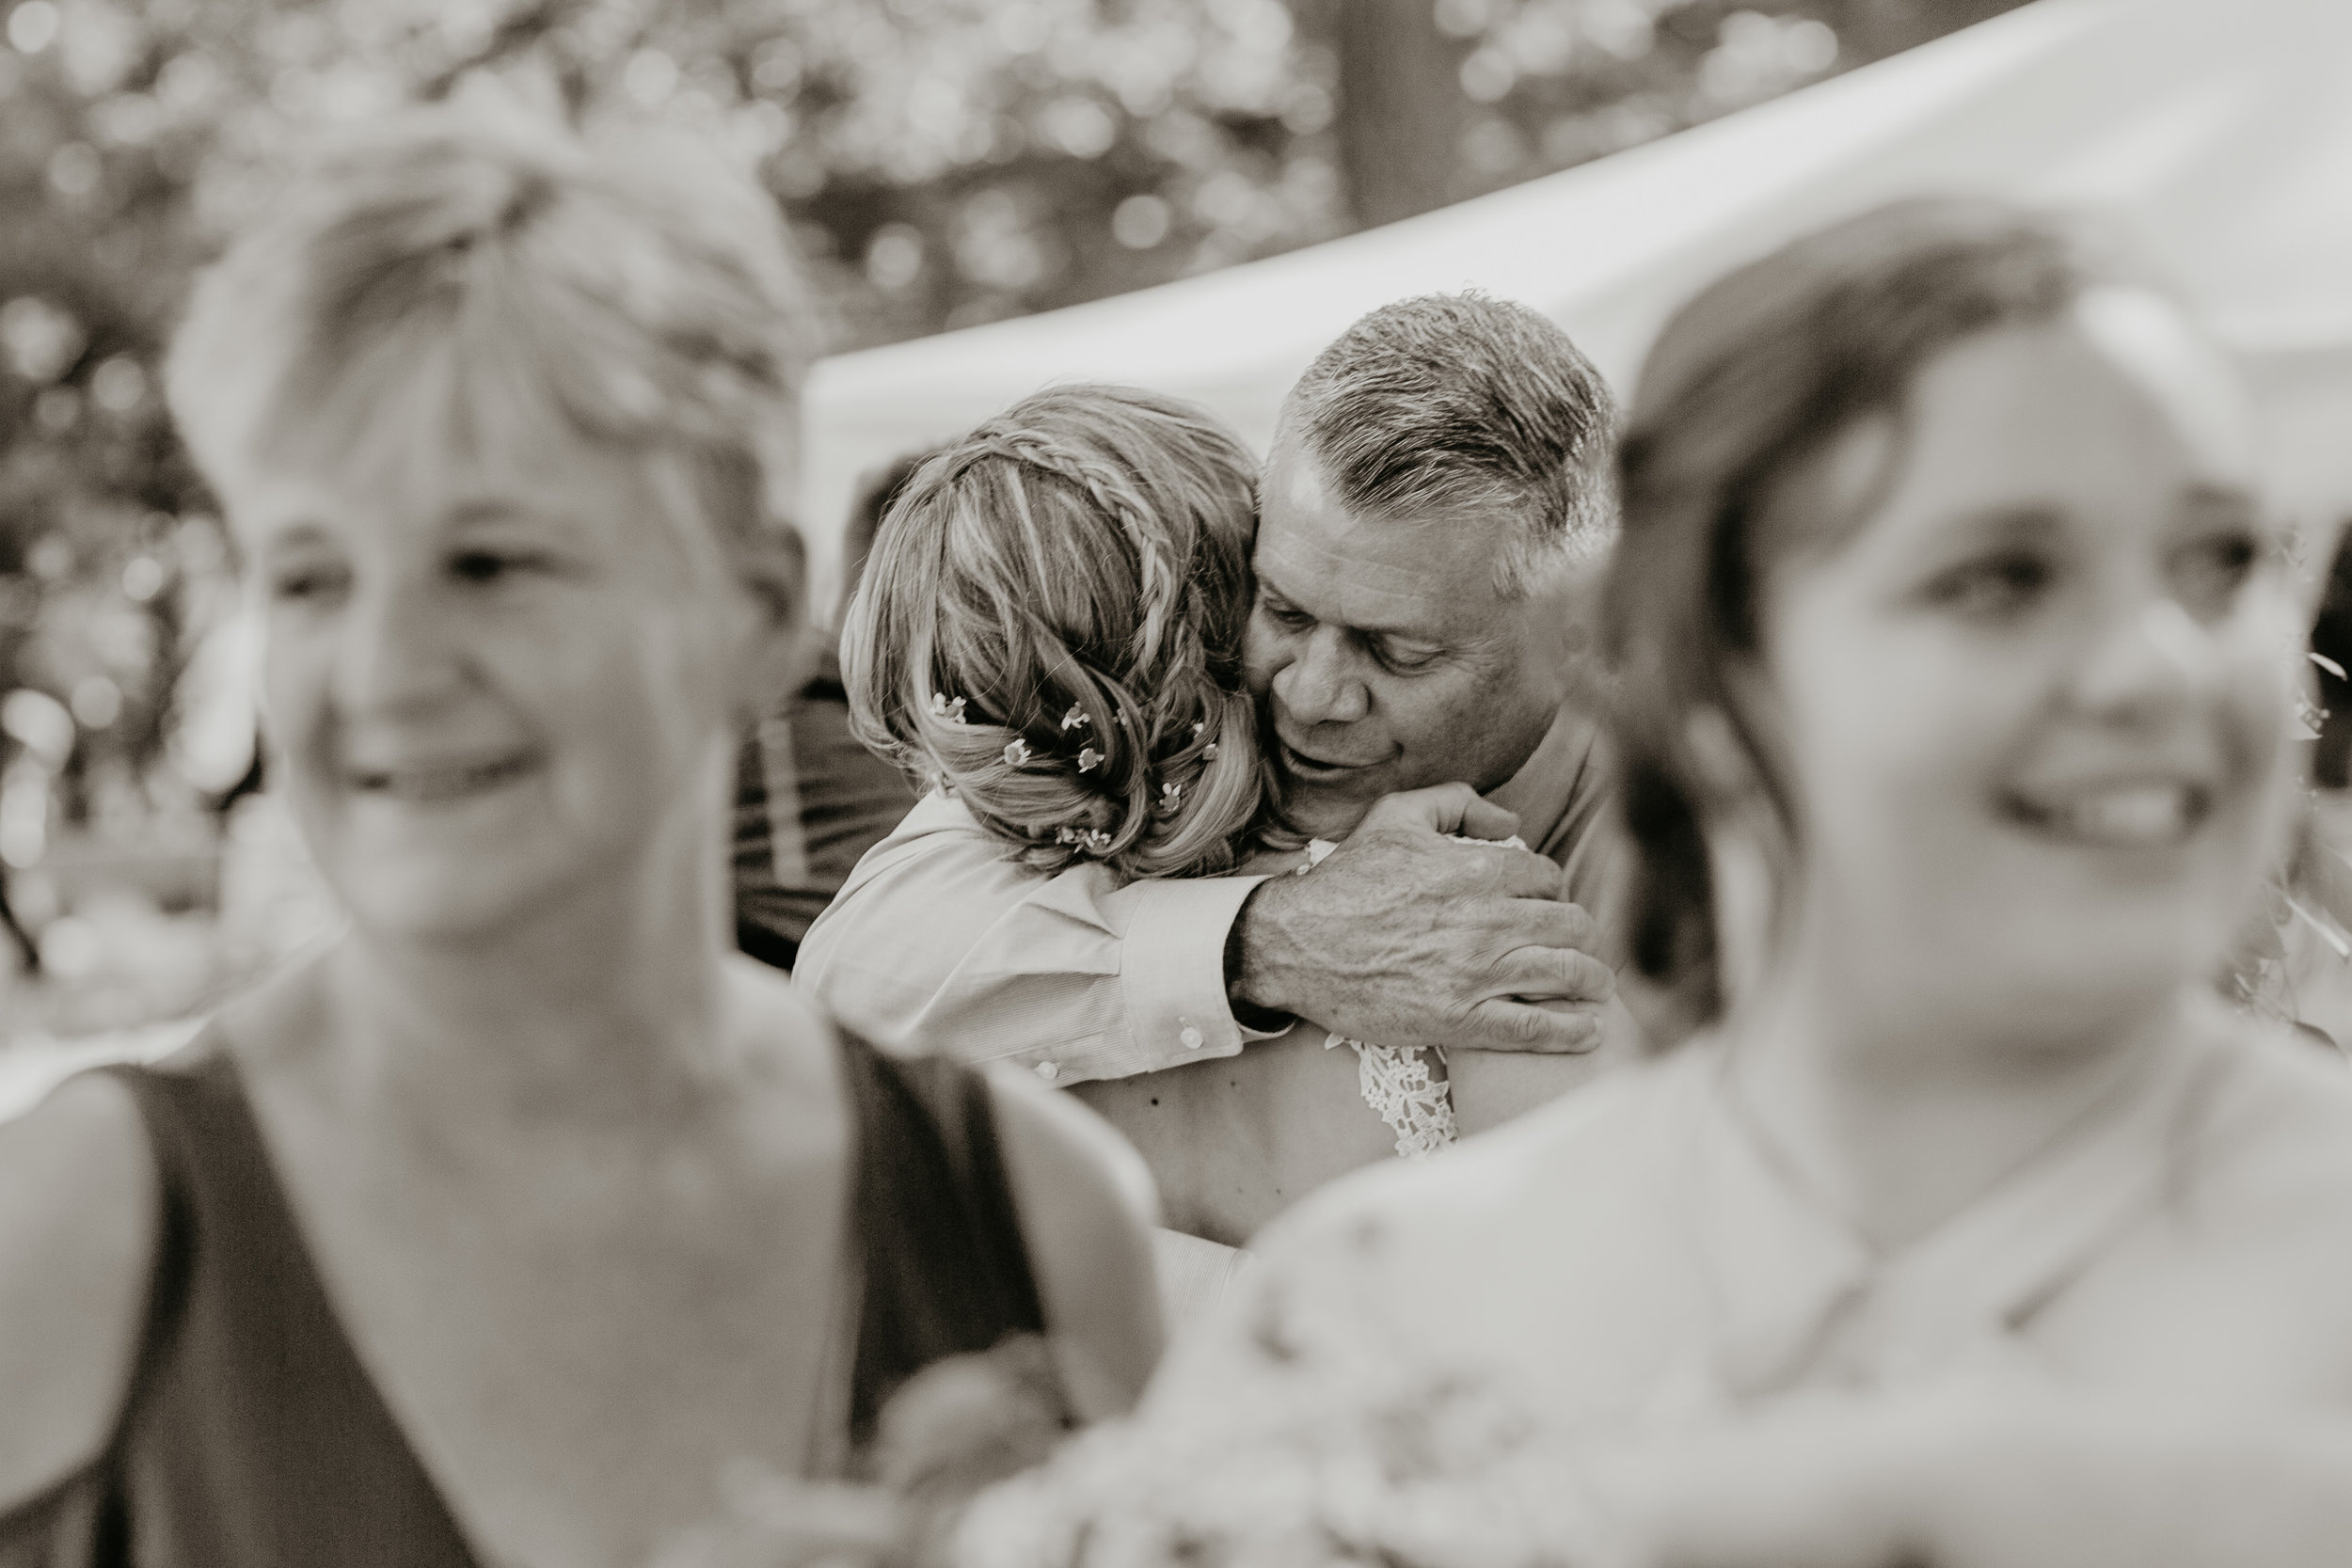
{"x": 943, "y": 162}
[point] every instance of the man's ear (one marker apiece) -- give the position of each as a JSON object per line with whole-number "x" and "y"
{"x": 773, "y": 569}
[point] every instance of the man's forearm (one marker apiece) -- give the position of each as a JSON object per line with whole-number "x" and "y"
{"x": 945, "y": 947}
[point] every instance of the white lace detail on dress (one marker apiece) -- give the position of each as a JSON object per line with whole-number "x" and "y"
{"x": 1395, "y": 1080}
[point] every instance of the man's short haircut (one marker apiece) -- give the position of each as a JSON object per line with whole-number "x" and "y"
{"x": 1463, "y": 402}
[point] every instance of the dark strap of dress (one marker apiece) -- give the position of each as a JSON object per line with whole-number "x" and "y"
{"x": 946, "y": 1269}
{"x": 251, "y": 1436}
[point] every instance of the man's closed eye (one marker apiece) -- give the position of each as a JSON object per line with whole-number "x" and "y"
{"x": 1403, "y": 658}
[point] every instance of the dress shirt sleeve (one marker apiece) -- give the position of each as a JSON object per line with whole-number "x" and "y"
{"x": 939, "y": 942}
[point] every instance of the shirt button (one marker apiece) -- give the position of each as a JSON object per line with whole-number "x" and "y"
{"x": 1191, "y": 1036}
{"x": 1049, "y": 1070}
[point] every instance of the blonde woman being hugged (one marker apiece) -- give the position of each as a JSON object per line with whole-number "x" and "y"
{"x": 507, "y": 1226}
{"x": 1048, "y": 638}
{"x": 1048, "y": 633}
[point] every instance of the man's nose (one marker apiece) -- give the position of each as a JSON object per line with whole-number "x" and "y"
{"x": 2145, "y": 661}
{"x": 1322, "y": 686}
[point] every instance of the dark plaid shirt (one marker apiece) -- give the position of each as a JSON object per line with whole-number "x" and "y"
{"x": 809, "y": 802}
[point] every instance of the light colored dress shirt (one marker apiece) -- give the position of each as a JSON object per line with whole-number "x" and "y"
{"x": 939, "y": 942}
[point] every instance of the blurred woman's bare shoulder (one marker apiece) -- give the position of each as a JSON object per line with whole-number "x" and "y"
{"x": 2282, "y": 1116}
{"x": 78, "y": 1218}
{"x": 788, "y": 1040}
{"x": 2264, "y": 1215}
{"x": 1086, "y": 1207}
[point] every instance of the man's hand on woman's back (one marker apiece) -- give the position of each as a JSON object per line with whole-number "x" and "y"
{"x": 1404, "y": 936}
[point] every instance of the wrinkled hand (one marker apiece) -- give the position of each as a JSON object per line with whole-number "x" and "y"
{"x": 1404, "y": 937}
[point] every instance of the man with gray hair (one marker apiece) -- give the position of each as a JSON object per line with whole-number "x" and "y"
{"x": 1440, "y": 477}
{"x": 1438, "y": 493}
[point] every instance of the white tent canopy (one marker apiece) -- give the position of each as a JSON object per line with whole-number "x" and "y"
{"x": 2222, "y": 130}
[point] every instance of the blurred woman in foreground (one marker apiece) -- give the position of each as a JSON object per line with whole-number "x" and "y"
{"x": 1956, "y": 663}
{"x": 502, "y": 1230}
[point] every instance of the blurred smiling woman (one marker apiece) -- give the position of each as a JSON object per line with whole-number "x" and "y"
{"x": 500, "y": 1230}
{"x": 1957, "y": 660}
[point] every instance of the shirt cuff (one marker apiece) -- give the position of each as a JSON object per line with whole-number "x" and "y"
{"x": 1172, "y": 969}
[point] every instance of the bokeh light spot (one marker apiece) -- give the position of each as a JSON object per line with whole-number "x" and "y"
{"x": 120, "y": 385}
{"x": 33, "y": 26}
{"x": 1141, "y": 222}
{"x": 97, "y": 702}
{"x": 73, "y": 169}
{"x": 143, "y": 577}
{"x": 894, "y": 257}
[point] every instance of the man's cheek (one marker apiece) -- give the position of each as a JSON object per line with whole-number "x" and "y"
{"x": 1429, "y": 735}
{"x": 1258, "y": 661}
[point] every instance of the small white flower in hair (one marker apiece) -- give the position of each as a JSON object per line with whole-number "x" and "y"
{"x": 944, "y": 710}
{"x": 1198, "y": 725}
{"x": 1096, "y": 840}
{"x": 1171, "y": 795}
{"x": 1017, "y": 753}
{"x": 1089, "y": 760}
{"x": 1208, "y": 752}
{"x": 1074, "y": 717}
{"x": 1065, "y": 835}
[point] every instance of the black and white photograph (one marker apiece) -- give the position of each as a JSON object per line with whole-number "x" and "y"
{"x": 1175, "y": 783}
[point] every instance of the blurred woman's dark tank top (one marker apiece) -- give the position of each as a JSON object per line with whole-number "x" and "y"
{"x": 252, "y": 1438}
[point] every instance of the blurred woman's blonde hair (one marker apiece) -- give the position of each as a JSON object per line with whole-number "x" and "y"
{"x": 1050, "y": 628}
{"x": 499, "y": 275}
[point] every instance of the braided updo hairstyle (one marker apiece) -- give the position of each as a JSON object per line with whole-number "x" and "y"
{"x": 1050, "y": 627}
